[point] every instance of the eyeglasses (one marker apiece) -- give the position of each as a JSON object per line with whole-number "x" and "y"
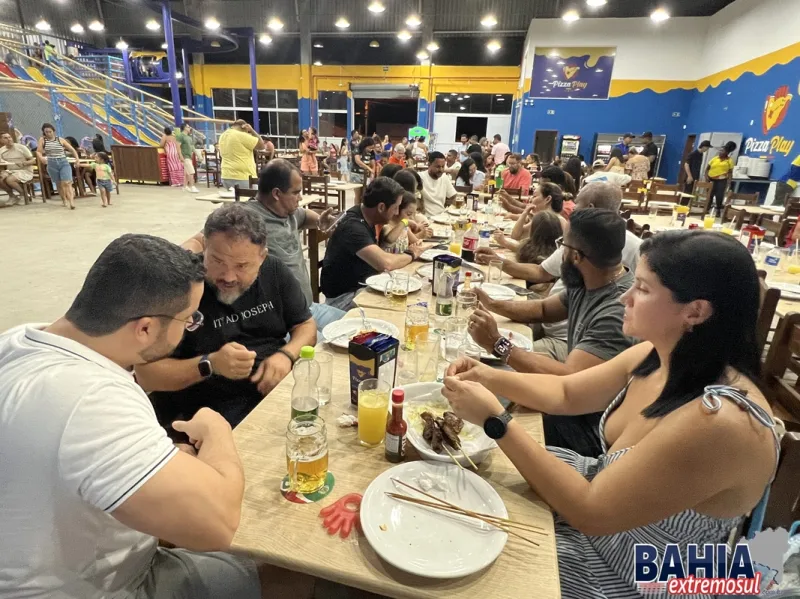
{"x": 560, "y": 243}
{"x": 195, "y": 320}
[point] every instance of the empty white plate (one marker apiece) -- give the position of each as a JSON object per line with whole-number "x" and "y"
{"x": 429, "y": 255}
{"x": 496, "y": 292}
{"x": 378, "y": 283}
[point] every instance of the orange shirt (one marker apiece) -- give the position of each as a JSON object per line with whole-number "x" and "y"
{"x": 522, "y": 180}
{"x": 395, "y": 160}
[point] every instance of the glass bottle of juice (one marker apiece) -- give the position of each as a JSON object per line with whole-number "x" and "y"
{"x": 396, "y": 429}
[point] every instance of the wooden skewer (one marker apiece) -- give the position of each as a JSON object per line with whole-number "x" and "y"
{"x": 465, "y": 511}
{"x": 450, "y": 453}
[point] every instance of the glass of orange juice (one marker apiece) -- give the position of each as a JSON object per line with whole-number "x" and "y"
{"x": 708, "y": 221}
{"x": 373, "y": 409}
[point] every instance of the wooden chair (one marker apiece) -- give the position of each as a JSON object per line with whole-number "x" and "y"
{"x": 768, "y": 303}
{"x": 213, "y": 164}
{"x": 741, "y": 199}
{"x": 238, "y": 194}
{"x": 632, "y": 200}
{"x": 779, "y": 230}
{"x": 701, "y": 201}
{"x": 738, "y": 217}
{"x": 253, "y": 182}
{"x": 662, "y": 198}
{"x": 318, "y": 185}
{"x": 635, "y": 185}
{"x": 655, "y": 187}
{"x": 782, "y": 359}
{"x": 315, "y": 238}
{"x": 464, "y": 188}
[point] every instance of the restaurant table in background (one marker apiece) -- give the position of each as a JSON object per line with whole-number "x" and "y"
{"x": 215, "y": 198}
{"x": 291, "y": 535}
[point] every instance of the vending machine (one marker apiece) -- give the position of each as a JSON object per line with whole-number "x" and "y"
{"x": 569, "y": 146}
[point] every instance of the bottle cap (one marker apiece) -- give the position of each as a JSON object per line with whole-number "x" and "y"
{"x": 398, "y": 395}
{"x": 307, "y": 352}
{"x": 468, "y": 274}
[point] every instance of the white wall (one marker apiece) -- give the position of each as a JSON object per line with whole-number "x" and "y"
{"x": 444, "y": 124}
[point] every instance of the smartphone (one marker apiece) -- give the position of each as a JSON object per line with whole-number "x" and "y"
{"x": 519, "y": 290}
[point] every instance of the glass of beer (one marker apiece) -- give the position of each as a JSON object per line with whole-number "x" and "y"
{"x": 417, "y": 323}
{"x": 397, "y": 289}
{"x": 307, "y": 453}
{"x": 373, "y": 410}
{"x": 459, "y": 202}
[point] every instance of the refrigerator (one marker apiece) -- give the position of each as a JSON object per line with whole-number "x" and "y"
{"x": 718, "y": 140}
{"x": 604, "y": 142}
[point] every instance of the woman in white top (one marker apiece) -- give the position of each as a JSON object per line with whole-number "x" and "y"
{"x": 52, "y": 151}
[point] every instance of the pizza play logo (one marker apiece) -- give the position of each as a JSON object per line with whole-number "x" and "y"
{"x": 570, "y": 72}
{"x": 775, "y": 109}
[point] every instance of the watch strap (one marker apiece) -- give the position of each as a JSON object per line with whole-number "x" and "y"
{"x": 292, "y": 359}
{"x": 204, "y": 366}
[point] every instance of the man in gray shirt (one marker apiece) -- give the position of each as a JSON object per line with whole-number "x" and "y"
{"x": 595, "y": 279}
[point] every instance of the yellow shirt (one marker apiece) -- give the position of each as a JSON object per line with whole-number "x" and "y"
{"x": 719, "y": 168}
{"x": 236, "y": 151}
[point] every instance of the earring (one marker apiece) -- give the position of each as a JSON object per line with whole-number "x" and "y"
{"x": 690, "y": 329}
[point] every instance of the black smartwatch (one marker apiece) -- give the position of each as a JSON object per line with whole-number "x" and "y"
{"x": 204, "y": 366}
{"x": 495, "y": 427}
{"x": 502, "y": 348}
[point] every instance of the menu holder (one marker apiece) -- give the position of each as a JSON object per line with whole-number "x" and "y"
{"x": 372, "y": 356}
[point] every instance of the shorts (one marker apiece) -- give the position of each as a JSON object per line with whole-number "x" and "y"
{"x": 182, "y": 574}
{"x": 22, "y": 175}
{"x": 356, "y": 177}
{"x": 106, "y": 184}
{"x": 229, "y": 183}
{"x": 59, "y": 170}
{"x": 188, "y": 166}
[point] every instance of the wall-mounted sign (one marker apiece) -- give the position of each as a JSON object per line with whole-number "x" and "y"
{"x": 776, "y": 107}
{"x": 572, "y": 73}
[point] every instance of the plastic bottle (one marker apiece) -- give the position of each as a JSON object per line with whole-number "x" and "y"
{"x": 396, "y": 429}
{"x": 771, "y": 261}
{"x": 489, "y": 211}
{"x": 485, "y": 235}
{"x": 306, "y": 374}
{"x": 470, "y": 242}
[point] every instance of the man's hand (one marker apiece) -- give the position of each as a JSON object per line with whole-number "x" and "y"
{"x": 416, "y": 250}
{"x": 485, "y": 301}
{"x": 485, "y": 255}
{"x": 271, "y": 372}
{"x": 483, "y": 328}
{"x": 233, "y": 361}
{"x": 204, "y": 424}
{"x": 325, "y": 220}
{"x": 467, "y": 369}
{"x": 470, "y": 400}
{"x": 689, "y": 180}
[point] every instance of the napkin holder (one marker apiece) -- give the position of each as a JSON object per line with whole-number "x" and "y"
{"x": 372, "y": 356}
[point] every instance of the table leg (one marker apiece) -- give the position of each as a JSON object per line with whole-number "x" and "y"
{"x": 342, "y": 199}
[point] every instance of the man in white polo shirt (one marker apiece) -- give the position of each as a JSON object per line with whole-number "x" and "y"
{"x": 436, "y": 189}
{"x": 88, "y": 479}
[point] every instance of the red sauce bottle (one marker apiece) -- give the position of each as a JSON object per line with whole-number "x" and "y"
{"x": 396, "y": 428}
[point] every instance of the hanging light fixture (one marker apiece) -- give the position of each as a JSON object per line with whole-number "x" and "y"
{"x": 342, "y": 23}
{"x": 96, "y": 26}
{"x": 432, "y": 47}
{"x": 374, "y": 44}
{"x": 376, "y": 7}
{"x": 489, "y": 21}
{"x": 493, "y": 46}
{"x": 212, "y": 24}
{"x": 153, "y": 25}
{"x": 76, "y": 28}
{"x": 413, "y": 21}
{"x": 42, "y": 25}
{"x": 404, "y": 35}
{"x": 265, "y": 39}
{"x": 275, "y": 24}
{"x": 121, "y": 45}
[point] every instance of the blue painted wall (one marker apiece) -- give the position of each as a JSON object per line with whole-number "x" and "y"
{"x": 304, "y": 108}
{"x": 422, "y": 113}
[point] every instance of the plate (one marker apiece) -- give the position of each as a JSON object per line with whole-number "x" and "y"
{"x": 428, "y": 542}
{"x": 378, "y": 283}
{"x": 517, "y": 339}
{"x": 429, "y": 255}
{"x": 227, "y": 194}
{"x": 444, "y": 219}
{"x": 427, "y": 396}
{"x": 496, "y": 292}
{"x": 426, "y": 270}
{"x": 788, "y": 290}
{"x": 440, "y": 233}
{"x": 340, "y": 332}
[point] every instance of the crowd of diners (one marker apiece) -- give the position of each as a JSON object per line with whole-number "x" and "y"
{"x": 116, "y": 419}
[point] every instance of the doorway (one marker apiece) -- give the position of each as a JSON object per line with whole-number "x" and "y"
{"x": 471, "y": 125}
{"x": 687, "y": 149}
{"x": 544, "y": 144}
{"x": 385, "y": 117}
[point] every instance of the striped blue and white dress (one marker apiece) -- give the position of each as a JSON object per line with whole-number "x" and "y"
{"x": 601, "y": 567}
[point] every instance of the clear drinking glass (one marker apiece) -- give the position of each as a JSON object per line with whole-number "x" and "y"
{"x": 455, "y": 335}
{"x": 307, "y": 453}
{"x": 495, "y": 274}
{"x": 373, "y": 410}
{"x": 466, "y": 302}
{"x": 397, "y": 289}
{"x": 407, "y": 360}
{"x": 325, "y": 381}
{"x": 653, "y": 210}
{"x": 468, "y": 349}
{"x": 429, "y": 350}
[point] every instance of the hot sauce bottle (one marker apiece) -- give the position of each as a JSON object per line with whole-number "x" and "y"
{"x": 396, "y": 428}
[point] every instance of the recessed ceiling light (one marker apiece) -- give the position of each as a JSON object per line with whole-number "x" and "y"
{"x": 459, "y": 98}
{"x": 342, "y": 23}
{"x": 453, "y": 94}
{"x": 432, "y": 47}
{"x": 499, "y": 95}
{"x": 659, "y": 15}
{"x": 265, "y": 39}
{"x": 404, "y": 35}
{"x": 318, "y": 45}
{"x": 215, "y": 44}
{"x": 596, "y": 3}
{"x": 413, "y": 21}
{"x": 463, "y": 107}
{"x": 447, "y": 99}
{"x": 275, "y": 24}
{"x": 571, "y": 16}
{"x": 96, "y": 26}
{"x": 560, "y": 62}
{"x": 76, "y": 28}
{"x": 493, "y": 46}
{"x": 121, "y": 45}
{"x": 466, "y": 95}
{"x": 554, "y": 53}
{"x": 598, "y": 70}
{"x": 164, "y": 46}
{"x": 549, "y": 70}
{"x": 376, "y": 7}
{"x": 422, "y": 55}
{"x": 42, "y": 25}
{"x": 153, "y": 25}
{"x": 729, "y": 93}
{"x": 489, "y": 21}
{"x": 212, "y": 24}
{"x": 374, "y": 44}
{"x": 317, "y": 63}
{"x": 501, "y": 99}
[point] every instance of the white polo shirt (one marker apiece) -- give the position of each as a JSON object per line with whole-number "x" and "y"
{"x": 630, "y": 256}
{"x": 435, "y": 192}
{"x": 78, "y": 437}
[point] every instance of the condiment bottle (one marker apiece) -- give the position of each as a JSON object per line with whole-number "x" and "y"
{"x": 467, "y": 281}
{"x": 396, "y": 428}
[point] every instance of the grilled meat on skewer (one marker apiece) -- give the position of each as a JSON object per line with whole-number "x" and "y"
{"x": 454, "y": 421}
{"x": 436, "y": 439}
{"x": 450, "y": 436}
{"x": 427, "y": 431}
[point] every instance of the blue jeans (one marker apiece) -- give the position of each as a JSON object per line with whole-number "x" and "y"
{"x": 324, "y": 315}
{"x": 59, "y": 170}
{"x": 342, "y": 302}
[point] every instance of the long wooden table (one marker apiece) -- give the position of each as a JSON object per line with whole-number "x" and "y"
{"x": 215, "y": 198}
{"x": 291, "y": 536}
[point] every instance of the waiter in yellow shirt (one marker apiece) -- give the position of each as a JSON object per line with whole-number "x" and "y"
{"x": 236, "y": 148}
{"x": 720, "y": 171}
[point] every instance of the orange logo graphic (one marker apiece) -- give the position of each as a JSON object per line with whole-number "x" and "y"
{"x": 570, "y": 72}
{"x": 775, "y": 108}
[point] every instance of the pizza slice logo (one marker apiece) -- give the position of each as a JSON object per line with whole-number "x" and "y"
{"x": 570, "y": 72}
{"x": 775, "y": 109}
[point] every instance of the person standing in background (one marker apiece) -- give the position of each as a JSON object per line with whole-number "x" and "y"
{"x": 344, "y": 160}
{"x": 387, "y": 145}
{"x": 463, "y": 153}
{"x": 52, "y": 152}
{"x": 184, "y": 139}
{"x": 174, "y": 158}
{"x": 236, "y": 148}
{"x": 638, "y": 165}
{"x": 720, "y": 171}
{"x": 650, "y": 152}
{"x": 694, "y": 161}
{"x": 499, "y": 149}
{"x": 625, "y": 145}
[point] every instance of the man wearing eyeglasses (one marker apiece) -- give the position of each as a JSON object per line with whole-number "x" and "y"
{"x": 251, "y": 303}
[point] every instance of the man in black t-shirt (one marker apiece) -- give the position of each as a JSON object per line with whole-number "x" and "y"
{"x": 650, "y": 152}
{"x": 693, "y": 165}
{"x": 361, "y": 161}
{"x": 353, "y": 254}
{"x": 250, "y": 304}
{"x": 474, "y": 146}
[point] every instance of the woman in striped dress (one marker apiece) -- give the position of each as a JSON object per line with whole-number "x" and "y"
{"x": 52, "y": 152}
{"x": 174, "y": 158}
{"x": 689, "y": 443}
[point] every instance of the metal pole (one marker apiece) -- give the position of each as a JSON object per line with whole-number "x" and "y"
{"x": 166, "y": 16}
{"x": 187, "y": 83}
{"x": 253, "y": 79}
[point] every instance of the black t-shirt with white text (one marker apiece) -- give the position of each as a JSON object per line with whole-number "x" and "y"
{"x": 342, "y": 269}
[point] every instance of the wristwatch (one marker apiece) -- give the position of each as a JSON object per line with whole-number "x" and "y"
{"x": 502, "y": 349}
{"x": 204, "y": 366}
{"x": 495, "y": 427}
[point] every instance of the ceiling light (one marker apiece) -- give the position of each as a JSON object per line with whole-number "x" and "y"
{"x": 215, "y": 44}
{"x": 265, "y": 39}
{"x": 432, "y": 47}
{"x": 153, "y": 25}
{"x": 275, "y": 24}
{"x": 571, "y": 16}
{"x": 318, "y": 45}
{"x": 729, "y": 93}
{"x": 317, "y": 63}
{"x": 501, "y": 99}
{"x": 549, "y": 70}
{"x": 212, "y": 24}
{"x": 596, "y": 3}
{"x": 76, "y": 28}
{"x": 42, "y": 25}
{"x": 598, "y": 70}
{"x": 489, "y": 21}
{"x": 413, "y": 21}
{"x": 96, "y": 26}
{"x": 493, "y": 46}
{"x": 422, "y": 55}
{"x": 121, "y": 45}
{"x": 342, "y": 23}
{"x": 404, "y": 35}
{"x": 453, "y": 94}
{"x": 447, "y": 99}
{"x": 554, "y": 53}
{"x": 374, "y": 44}
{"x": 178, "y": 75}
{"x": 463, "y": 107}
{"x": 560, "y": 62}
{"x": 659, "y": 15}
{"x": 376, "y": 7}
{"x": 164, "y": 46}
{"x": 466, "y": 95}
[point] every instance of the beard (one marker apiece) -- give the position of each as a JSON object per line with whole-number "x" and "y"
{"x": 160, "y": 349}
{"x": 571, "y": 275}
{"x": 229, "y": 295}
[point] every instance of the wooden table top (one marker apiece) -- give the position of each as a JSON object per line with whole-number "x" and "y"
{"x": 290, "y": 535}
{"x": 215, "y": 198}
{"x": 759, "y": 210}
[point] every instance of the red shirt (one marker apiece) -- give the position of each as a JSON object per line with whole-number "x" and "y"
{"x": 522, "y": 180}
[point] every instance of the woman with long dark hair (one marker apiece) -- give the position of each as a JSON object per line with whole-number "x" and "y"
{"x": 615, "y": 162}
{"x": 573, "y": 168}
{"x": 689, "y": 443}
{"x": 547, "y": 197}
{"x": 479, "y": 176}
{"x": 465, "y": 173}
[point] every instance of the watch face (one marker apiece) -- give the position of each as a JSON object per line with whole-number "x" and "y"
{"x": 204, "y": 367}
{"x": 494, "y": 428}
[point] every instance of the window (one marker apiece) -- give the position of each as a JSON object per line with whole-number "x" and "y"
{"x": 474, "y": 104}
{"x": 287, "y": 98}
{"x": 222, "y": 97}
{"x": 333, "y": 124}
{"x": 332, "y": 101}
{"x": 277, "y": 112}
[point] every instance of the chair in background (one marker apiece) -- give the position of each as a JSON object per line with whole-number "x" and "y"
{"x": 212, "y": 168}
{"x": 318, "y": 185}
{"x": 701, "y": 201}
{"x": 315, "y": 238}
{"x": 514, "y": 192}
{"x": 737, "y": 217}
{"x": 741, "y": 199}
{"x": 253, "y": 182}
{"x": 656, "y": 187}
{"x": 632, "y": 200}
{"x": 464, "y": 188}
{"x": 781, "y": 227}
{"x": 781, "y": 361}
{"x": 768, "y": 303}
{"x": 635, "y": 185}
{"x": 246, "y": 194}
{"x": 664, "y": 200}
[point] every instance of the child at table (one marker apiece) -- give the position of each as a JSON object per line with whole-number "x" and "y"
{"x": 105, "y": 178}
{"x": 396, "y": 237}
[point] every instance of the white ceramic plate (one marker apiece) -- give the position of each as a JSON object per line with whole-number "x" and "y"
{"x": 429, "y": 255}
{"x": 426, "y": 270}
{"x": 444, "y": 219}
{"x": 517, "y": 339}
{"x": 421, "y": 397}
{"x": 496, "y": 292}
{"x": 227, "y": 194}
{"x": 788, "y": 290}
{"x": 378, "y": 283}
{"x": 340, "y": 332}
{"x": 440, "y": 233}
{"x": 429, "y": 542}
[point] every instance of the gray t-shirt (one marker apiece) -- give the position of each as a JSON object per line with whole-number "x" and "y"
{"x": 595, "y": 318}
{"x": 283, "y": 242}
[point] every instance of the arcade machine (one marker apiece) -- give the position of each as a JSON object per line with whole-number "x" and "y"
{"x": 569, "y": 146}
{"x": 604, "y": 142}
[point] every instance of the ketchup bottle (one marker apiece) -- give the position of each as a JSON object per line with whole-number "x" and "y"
{"x": 396, "y": 428}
